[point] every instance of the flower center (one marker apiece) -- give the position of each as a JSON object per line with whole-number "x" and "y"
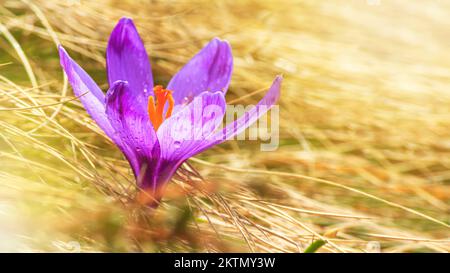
{"x": 156, "y": 110}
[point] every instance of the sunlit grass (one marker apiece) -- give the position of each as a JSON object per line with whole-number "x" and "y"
{"x": 364, "y": 151}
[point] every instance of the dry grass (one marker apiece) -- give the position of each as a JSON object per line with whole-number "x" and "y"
{"x": 364, "y": 153}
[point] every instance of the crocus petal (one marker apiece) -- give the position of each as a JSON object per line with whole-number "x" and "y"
{"x": 187, "y": 130}
{"x": 90, "y": 94}
{"x": 209, "y": 70}
{"x": 93, "y": 101}
{"x": 127, "y": 60}
{"x": 247, "y": 119}
{"x": 135, "y": 130}
{"x": 254, "y": 113}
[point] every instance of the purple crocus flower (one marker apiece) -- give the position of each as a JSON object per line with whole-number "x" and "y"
{"x": 144, "y": 120}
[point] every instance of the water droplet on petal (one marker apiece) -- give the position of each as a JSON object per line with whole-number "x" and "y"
{"x": 177, "y": 144}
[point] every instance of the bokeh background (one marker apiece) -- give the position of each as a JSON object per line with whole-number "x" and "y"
{"x": 364, "y": 156}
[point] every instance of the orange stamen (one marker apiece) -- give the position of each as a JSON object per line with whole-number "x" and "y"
{"x": 156, "y": 110}
{"x": 171, "y": 104}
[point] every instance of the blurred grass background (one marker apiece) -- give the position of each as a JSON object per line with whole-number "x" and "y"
{"x": 364, "y": 156}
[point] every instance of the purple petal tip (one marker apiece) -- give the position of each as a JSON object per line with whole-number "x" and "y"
{"x": 125, "y": 20}
{"x": 116, "y": 87}
{"x": 63, "y": 56}
{"x": 220, "y": 41}
{"x": 61, "y": 51}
